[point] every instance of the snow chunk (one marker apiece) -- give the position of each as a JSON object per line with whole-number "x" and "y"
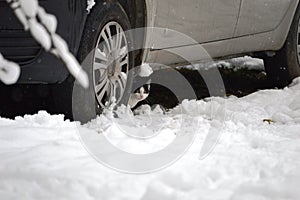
{"x": 30, "y": 7}
{"x": 246, "y": 62}
{"x": 145, "y": 70}
{"x": 90, "y": 5}
{"x": 9, "y": 71}
{"x": 235, "y": 64}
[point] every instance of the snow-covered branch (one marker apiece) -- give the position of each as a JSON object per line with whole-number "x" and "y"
{"x": 9, "y": 71}
{"x": 43, "y": 26}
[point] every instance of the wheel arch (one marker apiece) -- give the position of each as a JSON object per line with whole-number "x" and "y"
{"x": 136, "y": 11}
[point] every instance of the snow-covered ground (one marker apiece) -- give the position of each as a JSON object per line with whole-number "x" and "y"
{"x": 42, "y": 157}
{"x": 245, "y": 62}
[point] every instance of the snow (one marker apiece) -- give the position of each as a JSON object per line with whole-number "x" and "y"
{"x": 21, "y": 16}
{"x": 49, "y": 21}
{"x": 145, "y": 70}
{"x": 30, "y": 7}
{"x": 40, "y": 34}
{"x": 239, "y": 63}
{"x": 70, "y": 61}
{"x": 42, "y": 156}
{"x": 27, "y": 12}
{"x": 90, "y": 5}
{"x": 9, "y": 71}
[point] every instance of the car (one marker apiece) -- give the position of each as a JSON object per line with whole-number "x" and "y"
{"x": 268, "y": 29}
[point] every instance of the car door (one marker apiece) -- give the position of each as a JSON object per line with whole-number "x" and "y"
{"x": 202, "y": 20}
{"x": 259, "y": 16}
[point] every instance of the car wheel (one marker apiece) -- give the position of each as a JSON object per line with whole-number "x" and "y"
{"x": 284, "y": 66}
{"x": 105, "y": 54}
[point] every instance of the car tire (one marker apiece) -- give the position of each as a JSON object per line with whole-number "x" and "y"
{"x": 284, "y": 66}
{"x": 103, "y": 22}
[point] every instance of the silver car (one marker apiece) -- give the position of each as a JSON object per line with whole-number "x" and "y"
{"x": 116, "y": 36}
{"x": 268, "y": 29}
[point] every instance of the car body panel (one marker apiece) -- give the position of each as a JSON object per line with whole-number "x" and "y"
{"x": 202, "y": 20}
{"x": 257, "y": 16}
{"x": 266, "y": 41}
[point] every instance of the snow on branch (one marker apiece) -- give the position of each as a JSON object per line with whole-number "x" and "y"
{"x": 9, "y": 71}
{"x": 90, "y": 5}
{"x": 44, "y": 32}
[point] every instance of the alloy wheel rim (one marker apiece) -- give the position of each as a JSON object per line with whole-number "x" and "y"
{"x": 298, "y": 41}
{"x": 110, "y": 65}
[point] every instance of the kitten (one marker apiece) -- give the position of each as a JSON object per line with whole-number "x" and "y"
{"x": 139, "y": 94}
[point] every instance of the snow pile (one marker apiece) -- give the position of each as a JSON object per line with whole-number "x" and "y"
{"x": 246, "y": 62}
{"x": 150, "y": 131}
{"x": 145, "y": 70}
{"x": 42, "y": 157}
{"x": 235, "y": 64}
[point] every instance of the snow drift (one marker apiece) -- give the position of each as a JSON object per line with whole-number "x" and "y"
{"x": 42, "y": 157}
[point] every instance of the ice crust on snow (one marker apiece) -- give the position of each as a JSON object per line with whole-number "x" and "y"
{"x": 42, "y": 157}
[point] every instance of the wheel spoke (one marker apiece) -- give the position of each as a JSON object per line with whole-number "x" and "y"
{"x": 106, "y": 41}
{"x": 100, "y": 55}
{"x": 123, "y": 79}
{"x": 102, "y": 76}
{"x": 124, "y": 62}
{"x": 122, "y": 85}
{"x": 123, "y": 52}
{"x": 106, "y": 50}
{"x": 101, "y": 85}
{"x": 112, "y": 92}
{"x": 98, "y": 66}
{"x": 102, "y": 93}
{"x": 117, "y": 37}
{"x": 110, "y": 37}
{"x": 124, "y": 39}
{"x": 111, "y": 57}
